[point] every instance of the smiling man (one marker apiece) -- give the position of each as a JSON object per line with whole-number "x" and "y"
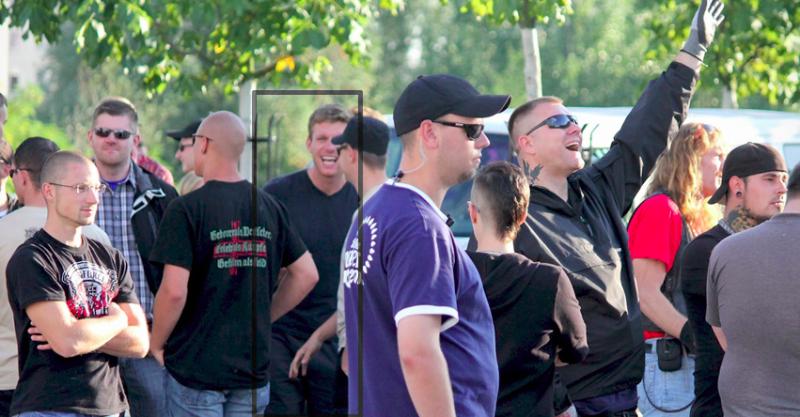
{"x": 575, "y": 216}
{"x": 320, "y": 203}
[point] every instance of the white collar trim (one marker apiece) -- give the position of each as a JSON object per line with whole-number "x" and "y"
{"x": 393, "y": 183}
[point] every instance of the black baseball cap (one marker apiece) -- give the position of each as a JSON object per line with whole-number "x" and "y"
{"x": 186, "y": 132}
{"x": 432, "y": 96}
{"x": 745, "y": 160}
{"x": 375, "y": 136}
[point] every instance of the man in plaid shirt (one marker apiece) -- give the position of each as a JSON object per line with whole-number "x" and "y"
{"x": 130, "y": 212}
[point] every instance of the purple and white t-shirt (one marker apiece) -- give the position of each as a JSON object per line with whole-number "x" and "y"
{"x": 412, "y": 266}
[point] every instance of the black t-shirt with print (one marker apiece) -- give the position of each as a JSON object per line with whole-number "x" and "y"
{"x": 210, "y": 232}
{"x": 322, "y": 221}
{"x": 87, "y": 278}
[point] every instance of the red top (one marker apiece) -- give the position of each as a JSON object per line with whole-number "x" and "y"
{"x": 153, "y": 167}
{"x": 655, "y": 232}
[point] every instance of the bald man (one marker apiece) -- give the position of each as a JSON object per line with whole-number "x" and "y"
{"x": 213, "y": 335}
{"x": 74, "y": 305}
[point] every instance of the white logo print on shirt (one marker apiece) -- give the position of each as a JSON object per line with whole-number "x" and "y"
{"x": 370, "y": 236}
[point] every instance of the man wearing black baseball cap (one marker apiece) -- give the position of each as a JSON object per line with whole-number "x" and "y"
{"x": 753, "y": 189}
{"x": 184, "y": 154}
{"x": 428, "y": 337}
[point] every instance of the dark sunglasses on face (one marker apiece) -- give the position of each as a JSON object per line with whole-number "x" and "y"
{"x": 17, "y": 170}
{"x": 473, "y": 131}
{"x": 120, "y": 134}
{"x": 559, "y": 121}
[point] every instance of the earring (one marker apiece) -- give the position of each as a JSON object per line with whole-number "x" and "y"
{"x": 739, "y": 194}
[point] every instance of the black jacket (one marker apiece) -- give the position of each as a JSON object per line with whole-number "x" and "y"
{"x": 587, "y": 236}
{"x": 150, "y": 201}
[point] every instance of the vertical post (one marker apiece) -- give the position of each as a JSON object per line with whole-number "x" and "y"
{"x": 246, "y": 113}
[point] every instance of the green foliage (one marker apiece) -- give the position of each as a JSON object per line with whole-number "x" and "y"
{"x": 756, "y": 51}
{"x": 224, "y": 42}
{"x": 73, "y": 89}
{"x": 24, "y": 123}
{"x": 525, "y": 13}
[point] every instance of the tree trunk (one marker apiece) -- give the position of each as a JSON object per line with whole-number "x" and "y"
{"x": 533, "y": 63}
{"x": 246, "y": 113}
{"x": 729, "y": 98}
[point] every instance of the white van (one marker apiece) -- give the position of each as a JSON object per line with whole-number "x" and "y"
{"x": 779, "y": 129}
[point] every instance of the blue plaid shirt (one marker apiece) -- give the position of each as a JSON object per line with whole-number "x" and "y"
{"x": 114, "y": 216}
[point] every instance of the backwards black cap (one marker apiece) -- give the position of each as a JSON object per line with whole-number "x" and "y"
{"x": 745, "y": 160}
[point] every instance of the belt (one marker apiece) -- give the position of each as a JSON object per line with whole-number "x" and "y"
{"x": 625, "y": 413}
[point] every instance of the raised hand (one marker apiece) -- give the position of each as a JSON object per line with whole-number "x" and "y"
{"x": 704, "y": 26}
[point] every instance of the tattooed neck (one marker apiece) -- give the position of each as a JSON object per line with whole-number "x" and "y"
{"x": 531, "y": 173}
{"x": 741, "y": 218}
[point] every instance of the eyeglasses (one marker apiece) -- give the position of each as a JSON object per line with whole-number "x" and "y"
{"x": 15, "y": 171}
{"x": 559, "y": 121}
{"x": 181, "y": 147}
{"x": 197, "y": 135}
{"x": 82, "y": 188}
{"x": 120, "y": 134}
{"x": 473, "y": 131}
{"x": 340, "y": 148}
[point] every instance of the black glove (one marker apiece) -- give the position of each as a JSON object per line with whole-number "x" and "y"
{"x": 687, "y": 338}
{"x": 704, "y": 25}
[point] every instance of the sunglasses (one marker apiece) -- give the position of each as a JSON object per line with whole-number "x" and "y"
{"x": 181, "y": 147}
{"x": 473, "y": 131}
{"x": 15, "y": 171}
{"x": 120, "y": 134}
{"x": 340, "y": 148}
{"x": 559, "y": 121}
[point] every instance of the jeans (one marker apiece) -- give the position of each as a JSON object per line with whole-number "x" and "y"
{"x": 183, "y": 401}
{"x": 672, "y": 392}
{"x": 144, "y": 385}
{"x": 56, "y": 414}
{"x": 312, "y": 395}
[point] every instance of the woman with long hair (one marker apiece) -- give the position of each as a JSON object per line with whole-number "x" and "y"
{"x": 675, "y": 210}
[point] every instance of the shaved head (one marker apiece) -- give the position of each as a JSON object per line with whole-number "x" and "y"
{"x": 55, "y": 166}
{"x": 227, "y": 130}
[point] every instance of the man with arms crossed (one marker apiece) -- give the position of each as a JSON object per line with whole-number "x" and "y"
{"x": 75, "y": 310}
{"x": 428, "y": 346}
{"x": 212, "y": 304}
{"x": 18, "y": 227}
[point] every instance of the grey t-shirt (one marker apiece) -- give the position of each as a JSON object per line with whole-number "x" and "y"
{"x": 753, "y": 285}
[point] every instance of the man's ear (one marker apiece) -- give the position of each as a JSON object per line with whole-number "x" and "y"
{"x": 736, "y": 184}
{"x": 428, "y": 135}
{"x": 308, "y": 143}
{"x": 473, "y": 213}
